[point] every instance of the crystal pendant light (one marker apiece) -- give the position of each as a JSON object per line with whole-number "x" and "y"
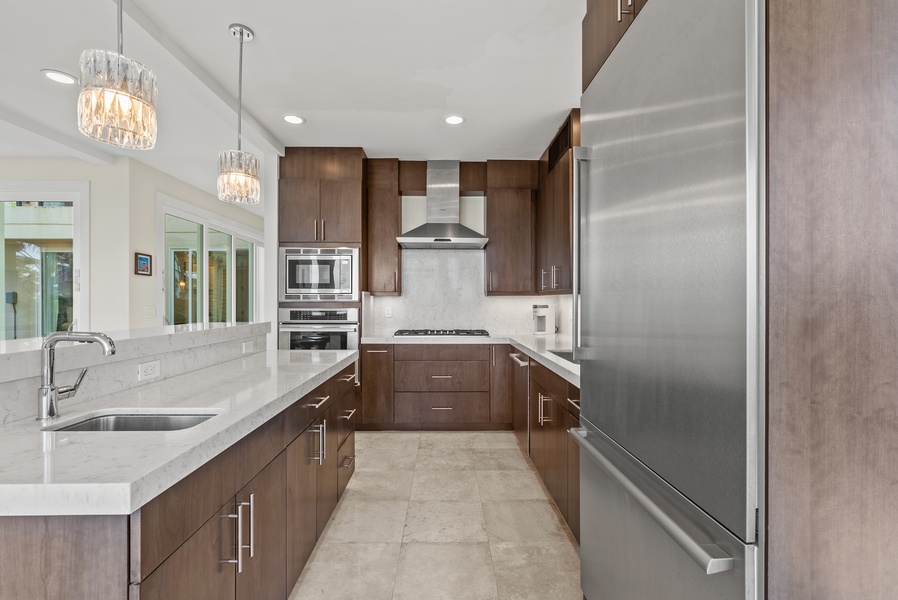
{"x": 238, "y": 171}
{"x": 117, "y": 104}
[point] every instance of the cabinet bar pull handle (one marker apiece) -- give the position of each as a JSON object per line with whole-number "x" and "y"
{"x": 491, "y": 282}
{"x": 621, "y": 11}
{"x": 252, "y": 524}
{"x": 440, "y": 408}
{"x": 348, "y": 462}
{"x": 323, "y": 442}
{"x": 542, "y": 279}
{"x": 376, "y": 351}
{"x": 574, "y": 403}
{"x": 349, "y": 416}
{"x": 520, "y": 362}
{"x": 320, "y": 404}
{"x": 545, "y": 399}
{"x": 239, "y": 516}
{"x": 323, "y": 237}
{"x": 347, "y": 378}
{"x": 441, "y": 376}
{"x": 395, "y": 281}
{"x": 319, "y": 456}
{"x": 539, "y": 409}
{"x": 316, "y": 220}
{"x": 493, "y": 350}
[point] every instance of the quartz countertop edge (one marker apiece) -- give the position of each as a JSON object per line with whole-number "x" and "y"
{"x": 536, "y": 347}
{"x": 59, "y": 473}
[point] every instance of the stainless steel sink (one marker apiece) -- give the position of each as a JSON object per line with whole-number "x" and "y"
{"x": 567, "y": 355}
{"x": 138, "y": 422}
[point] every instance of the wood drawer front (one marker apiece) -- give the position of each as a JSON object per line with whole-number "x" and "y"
{"x": 258, "y": 449}
{"x": 443, "y": 407}
{"x": 555, "y": 385}
{"x": 345, "y": 416}
{"x": 345, "y": 463}
{"x": 442, "y": 376}
{"x": 441, "y": 352}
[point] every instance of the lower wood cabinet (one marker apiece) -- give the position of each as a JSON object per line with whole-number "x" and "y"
{"x": 377, "y": 388}
{"x": 302, "y": 498}
{"x": 519, "y": 391}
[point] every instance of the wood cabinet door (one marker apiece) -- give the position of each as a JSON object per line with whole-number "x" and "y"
{"x": 377, "y": 383}
{"x": 340, "y": 209}
{"x": 520, "y": 394}
{"x": 537, "y": 429}
{"x": 384, "y": 253}
{"x": 441, "y": 376}
{"x": 544, "y": 244}
{"x": 573, "y": 477}
{"x": 302, "y": 489}
{"x": 264, "y": 575}
{"x": 563, "y": 223}
{"x": 197, "y": 570}
{"x": 510, "y": 253}
{"x": 298, "y": 210}
{"x": 602, "y": 31}
{"x": 500, "y": 393}
{"x": 327, "y": 492}
{"x": 554, "y": 422}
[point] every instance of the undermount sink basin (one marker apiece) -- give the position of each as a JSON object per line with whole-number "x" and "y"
{"x": 138, "y": 422}
{"x": 567, "y": 355}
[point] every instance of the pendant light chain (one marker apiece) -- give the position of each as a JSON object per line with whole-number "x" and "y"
{"x": 120, "y": 37}
{"x": 239, "y": 97}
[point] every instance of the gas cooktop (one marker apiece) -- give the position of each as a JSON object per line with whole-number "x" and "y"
{"x": 405, "y": 332}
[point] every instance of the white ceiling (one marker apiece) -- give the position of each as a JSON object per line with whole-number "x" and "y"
{"x": 380, "y": 75}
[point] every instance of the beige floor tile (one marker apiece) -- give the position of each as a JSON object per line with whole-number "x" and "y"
{"x": 445, "y": 572}
{"x": 536, "y": 572}
{"x": 494, "y": 439}
{"x": 445, "y": 522}
{"x": 445, "y": 439}
{"x": 349, "y": 572}
{"x": 509, "y": 485}
{"x": 444, "y": 485}
{"x": 445, "y": 459}
{"x": 380, "y": 485}
{"x": 393, "y": 439}
{"x": 367, "y": 521}
{"x": 385, "y": 459}
{"x": 361, "y": 439}
{"x": 499, "y": 459}
{"x": 522, "y": 521}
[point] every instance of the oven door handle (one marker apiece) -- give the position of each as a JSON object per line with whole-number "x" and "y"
{"x": 295, "y": 327}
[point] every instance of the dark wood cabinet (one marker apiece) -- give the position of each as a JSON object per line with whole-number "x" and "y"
{"x": 520, "y": 399}
{"x": 572, "y": 516}
{"x": 302, "y": 515}
{"x": 264, "y": 537}
{"x": 203, "y": 568}
{"x": 501, "y": 409}
{"x": 346, "y": 463}
{"x": 377, "y": 387}
{"x": 604, "y": 25}
{"x": 510, "y": 226}
{"x": 555, "y": 234}
{"x": 441, "y": 376}
{"x": 321, "y": 196}
{"x": 538, "y": 434}
{"x": 384, "y": 226}
{"x": 326, "y": 488}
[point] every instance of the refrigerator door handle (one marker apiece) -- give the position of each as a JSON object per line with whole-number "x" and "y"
{"x": 581, "y": 154}
{"x": 710, "y": 557}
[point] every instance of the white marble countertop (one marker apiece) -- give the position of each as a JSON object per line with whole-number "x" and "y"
{"x": 536, "y": 347}
{"x": 107, "y": 473}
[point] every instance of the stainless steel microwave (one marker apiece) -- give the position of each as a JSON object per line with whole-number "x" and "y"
{"x": 319, "y": 274}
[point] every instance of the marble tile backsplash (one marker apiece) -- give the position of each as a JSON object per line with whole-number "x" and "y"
{"x": 445, "y": 289}
{"x": 177, "y": 353}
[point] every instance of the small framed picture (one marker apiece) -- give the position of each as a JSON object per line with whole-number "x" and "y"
{"x": 143, "y": 264}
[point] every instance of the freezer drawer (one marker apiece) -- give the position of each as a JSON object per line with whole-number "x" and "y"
{"x": 649, "y": 548}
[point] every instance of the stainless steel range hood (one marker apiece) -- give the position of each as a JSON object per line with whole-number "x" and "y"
{"x": 442, "y": 229}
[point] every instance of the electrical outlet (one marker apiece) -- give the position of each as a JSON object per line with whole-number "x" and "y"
{"x": 148, "y": 312}
{"x": 388, "y": 312}
{"x": 148, "y": 370}
{"x": 248, "y": 347}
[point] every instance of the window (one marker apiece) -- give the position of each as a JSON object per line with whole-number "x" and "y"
{"x": 43, "y": 252}
{"x": 210, "y": 269}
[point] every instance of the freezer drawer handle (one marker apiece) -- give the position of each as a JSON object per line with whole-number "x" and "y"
{"x": 710, "y": 557}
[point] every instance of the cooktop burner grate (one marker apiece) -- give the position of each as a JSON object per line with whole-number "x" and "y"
{"x": 461, "y": 332}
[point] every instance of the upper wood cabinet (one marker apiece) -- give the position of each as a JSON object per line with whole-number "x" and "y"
{"x": 510, "y": 226}
{"x": 554, "y": 264}
{"x": 384, "y": 226}
{"x": 321, "y": 196}
{"x": 605, "y": 23}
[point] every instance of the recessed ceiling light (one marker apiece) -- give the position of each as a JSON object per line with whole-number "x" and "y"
{"x": 455, "y": 119}
{"x": 294, "y": 120}
{"x": 59, "y": 76}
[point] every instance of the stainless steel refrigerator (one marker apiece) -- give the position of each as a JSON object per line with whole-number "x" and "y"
{"x": 669, "y": 330}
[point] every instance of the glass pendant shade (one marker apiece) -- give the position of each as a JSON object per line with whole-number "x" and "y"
{"x": 117, "y": 104}
{"x": 238, "y": 177}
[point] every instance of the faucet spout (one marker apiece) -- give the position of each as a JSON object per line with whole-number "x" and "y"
{"x": 49, "y": 393}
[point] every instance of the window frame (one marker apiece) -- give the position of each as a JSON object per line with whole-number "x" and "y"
{"x": 168, "y": 205}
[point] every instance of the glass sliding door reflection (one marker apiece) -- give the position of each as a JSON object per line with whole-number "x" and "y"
{"x": 37, "y": 259}
{"x": 243, "y": 279}
{"x": 220, "y": 255}
{"x": 184, "y": 277}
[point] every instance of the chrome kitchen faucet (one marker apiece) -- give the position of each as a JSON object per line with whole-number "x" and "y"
{"x": 49, "y": 394}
